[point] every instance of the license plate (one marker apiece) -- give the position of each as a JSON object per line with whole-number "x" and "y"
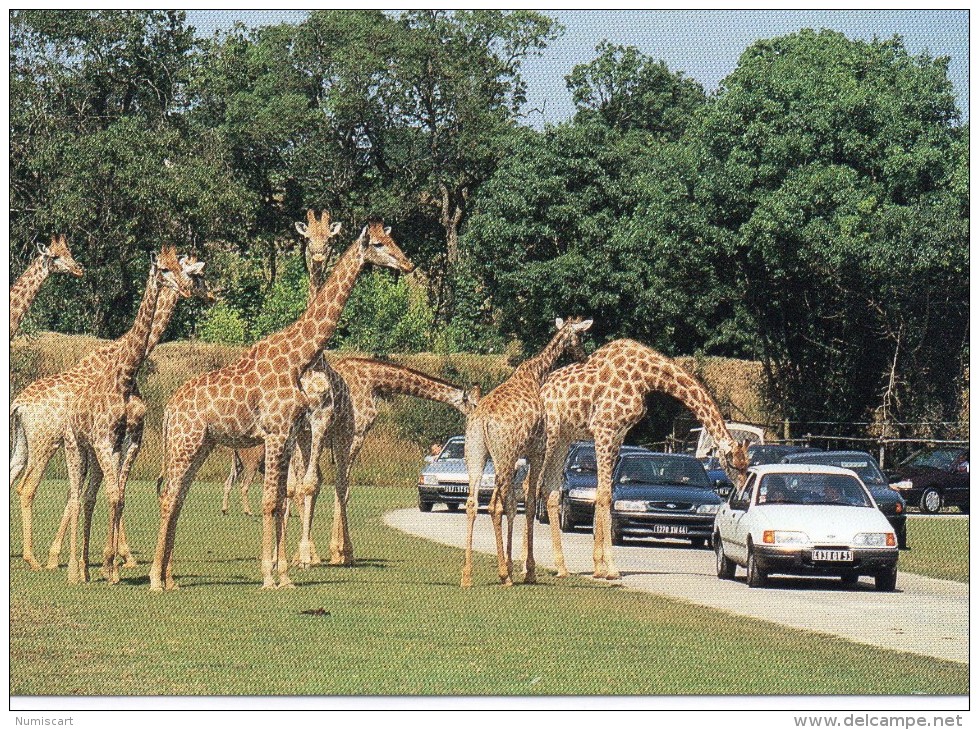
{"x": 833, "y": 556}
{"x": 456, "y": 489}
{"x": 670, "y": 529}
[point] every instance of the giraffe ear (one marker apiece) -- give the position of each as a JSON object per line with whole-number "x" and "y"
{"x": 387, "y": 231}
{"x": 303, "y": 229}
{"x": 335, "y": 228}
{"x": 582, "y": 326}
{"x": 364, "y": 238}
{"x": 43, "y": 250}
{"x": 195, "y": 268}
{"x": 559, "y": 323}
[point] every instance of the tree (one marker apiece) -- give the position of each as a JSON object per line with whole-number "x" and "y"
{"x": 832, "y": 175}
{"x": 628, "y": 90}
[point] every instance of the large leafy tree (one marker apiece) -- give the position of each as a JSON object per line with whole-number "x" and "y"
{"x": 100, "y": 151}
{"x": 833, "y": 174}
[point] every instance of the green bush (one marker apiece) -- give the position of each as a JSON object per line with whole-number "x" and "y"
{"x": 285, "y": 302}
{"x": 386, "y": 315}
{"x": 223, "y": 324}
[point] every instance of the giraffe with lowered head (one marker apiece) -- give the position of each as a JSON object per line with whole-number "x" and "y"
{"x": 509, "y": 423}
{"x": 55, "y": 258}
{"x": 258, "y": 399}
{"x": 602, "y": 398}
{"x": 353, "y": 385}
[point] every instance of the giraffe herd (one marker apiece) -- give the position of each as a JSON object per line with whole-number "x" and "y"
{"x": 283, "y": 402}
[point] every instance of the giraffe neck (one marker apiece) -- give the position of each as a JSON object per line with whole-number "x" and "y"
{"x": 25, "y": 289}
{"x": 309, "y": 334}
{"x": 133, "y": 345}
{"x": 317, "y": 276}
{"x": 661, "y": 374}
{"x": 166, "y": 305}
{"x": 539, "y": 365}
{"x": 391, "y": 379}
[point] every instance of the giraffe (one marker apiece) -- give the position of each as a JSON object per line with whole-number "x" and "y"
{"x": 166, "y": 305}
{"x": 97, "y": 420}
{"x": 352, "y": 387}
{"x": 319, "y": 233}
{"x": 258, "y": 399}
{"x": 39, "y": 417}
{"x": 53, "y": 258}
{"x": 508, "y": 423}
{"x": 603, "y": 397}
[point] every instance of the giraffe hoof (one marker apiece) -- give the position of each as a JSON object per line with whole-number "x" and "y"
{"x": 530, "y": 578}
{"x": 32, "y": 562}
{"x": 156, "y": 588}
{"x": 613, "y": 576}
{"x": 52, "y": 565}
{"x": 284, "y": 582}
{"x": 506, "y": 583}
{"x": 130, "y": 563}
{"x": 268, "y": 585}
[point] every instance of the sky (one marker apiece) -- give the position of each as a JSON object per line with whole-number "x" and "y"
{"x": 704, "y": 44}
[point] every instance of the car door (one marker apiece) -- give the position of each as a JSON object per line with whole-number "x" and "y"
{"x": 958, "y": 480}
{"x": 730, "y": 521}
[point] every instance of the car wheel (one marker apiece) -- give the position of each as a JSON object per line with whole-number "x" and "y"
{"x": 698, "y": 542}
{"x": 850, "y": 579}
{"x": 452, "y": 506}
{"x": 964, "y": 509}
{"x": 425, "y": 506}
{"x": 902, "y": 538}
{"x": 886, "y": 580}
{"x": 757, "y": 578}
{"x": 931, "y": 501}
{"x": 725, "y": 567}
{"x": 565, "y": 519}
{"x": 542, "y": 516}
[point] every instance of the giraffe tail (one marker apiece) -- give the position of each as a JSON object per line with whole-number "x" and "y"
{"x": 18, "y": 447}
{"x": 163, "y": 466}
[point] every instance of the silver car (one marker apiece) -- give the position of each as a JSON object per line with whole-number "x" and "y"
{"x": 446, "y": 480}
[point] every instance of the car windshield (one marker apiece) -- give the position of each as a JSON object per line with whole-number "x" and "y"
{"x": 934, "y": 458}
{"x": 584, "y": 460}
{"x": 837, "y": 489}
{"x": 663, "y": 470}
{"x": 453, "y": 450}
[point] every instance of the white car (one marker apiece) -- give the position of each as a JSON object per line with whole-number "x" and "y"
{"x": 804, "y": 519}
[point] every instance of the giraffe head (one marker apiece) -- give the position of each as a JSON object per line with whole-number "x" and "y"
{"x": 733, "y": 456}
{"x": 59, "y": 257}
{"x": 571, "y": 331}
{"x": 469, "y": 399}
{"x": 319, "y": 234}
{"x": 169, "y": 270}
{"x": 378, "y": 248}
{"x": 193, "y": 269}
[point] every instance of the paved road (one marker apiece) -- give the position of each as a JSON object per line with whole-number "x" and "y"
{"x": 924, "y": 616}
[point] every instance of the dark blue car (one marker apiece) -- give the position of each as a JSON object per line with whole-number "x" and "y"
{"x": 888, "y": 500}
{"x": 662, "y": 496}
{"x": 579, "y": 480}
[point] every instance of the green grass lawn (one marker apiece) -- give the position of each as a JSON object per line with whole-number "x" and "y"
{"x": 396, "y": 624}
{"x": 939, "y": 548}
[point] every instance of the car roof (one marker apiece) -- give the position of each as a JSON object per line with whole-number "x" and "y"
{"x": 799, "y": 469}
{"x": 624, "y": 449}
{"x": 455, "y": 438}
{"x": 640, "y": 451}
{"x": 827, "y": 454}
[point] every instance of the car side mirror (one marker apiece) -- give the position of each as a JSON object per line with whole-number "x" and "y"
{"x": 429, "y": 459}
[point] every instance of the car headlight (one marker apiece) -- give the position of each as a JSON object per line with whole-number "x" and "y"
{"x": 874, "y": 539}
{"x": 707, "y": 509}
{"x": 784, "y": 537}
{"x": 904, "y": 484}
{"x": 488, "y": 480}
{"x": 584, "y": 494}
{"x": 629, "y": 505}
{"x": 429, "y": 479}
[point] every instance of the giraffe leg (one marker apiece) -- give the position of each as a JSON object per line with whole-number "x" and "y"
{"x": 298, "y": 479}
{"x": 88, "y": 504}
{"x": 535, "y": 461}
{"x": 274, "y": 506}
{"x": 475, "y": 462}
{"x": 503, "y": 461}
{"x": 108, "y": 460}
{"x": 77, "y": 569}
{"x": 341, "y": 547}
{"x": 229, "y": 483}
{"x": 37, "y": 462}
{"x": 606, "y": 450}
{"x": 184, "y": 456}
{"x": 251, "y": 469}
{"x": 549, "y": 490}
{"x": 134, "y": 438}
